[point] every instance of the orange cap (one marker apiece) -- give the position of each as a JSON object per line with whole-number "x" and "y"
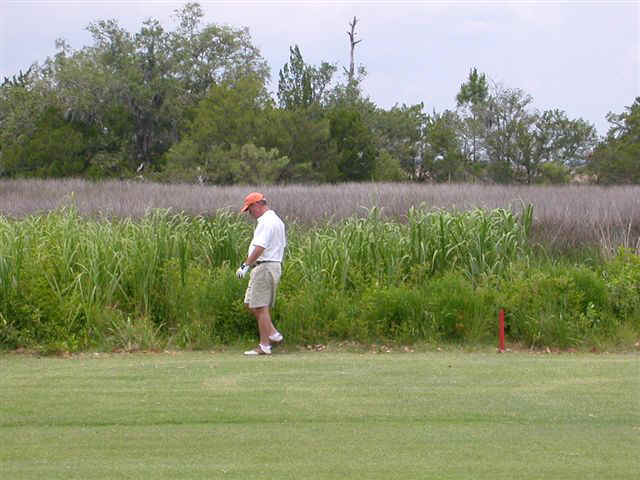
{"x": 250, "y": 199}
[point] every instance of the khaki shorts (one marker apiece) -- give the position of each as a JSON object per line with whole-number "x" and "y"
{"x": 263, "y": 283}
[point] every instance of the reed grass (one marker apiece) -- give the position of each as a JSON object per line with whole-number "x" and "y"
{"x": 566, "y": 217}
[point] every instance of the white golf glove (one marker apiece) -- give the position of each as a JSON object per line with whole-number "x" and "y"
{"x": 242, "y": 271}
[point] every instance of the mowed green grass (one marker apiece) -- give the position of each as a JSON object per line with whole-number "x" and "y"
{"x": 328, "y": 415}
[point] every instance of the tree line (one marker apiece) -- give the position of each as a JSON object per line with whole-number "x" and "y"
{"x": 192, "y": 105}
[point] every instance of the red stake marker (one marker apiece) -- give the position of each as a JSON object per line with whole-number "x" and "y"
{"x": 501, "y": 329}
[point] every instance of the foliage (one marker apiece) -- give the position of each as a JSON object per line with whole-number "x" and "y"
{"x": 232, "y": 113}
{"x": 516, "y": 144}
{"x": 304, "y": 137}
{"x": 622, "y": 276}
{"x": 442, "y": 157}
{"x": 356, "y": 152}
{"x": 134, "y": 90}
{"x": 181, "y": 105}
{"x": 55, "y": 148}
{"x": 562, "y": 306}
{"x": 388, "y": 169}
{"x": 471, "y": 100}
{"x": 553, "y": 173}
{"x": 399, "y": 132}
{"x": 615, "y": 160}
{"x": 186, "y": 105}
{"x": 302, "y": 86}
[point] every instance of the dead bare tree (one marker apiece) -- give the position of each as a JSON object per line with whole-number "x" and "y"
{"x": 352, "y": 42}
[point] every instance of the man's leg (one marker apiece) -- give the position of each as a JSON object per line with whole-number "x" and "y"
{"x": 265, "y": 327}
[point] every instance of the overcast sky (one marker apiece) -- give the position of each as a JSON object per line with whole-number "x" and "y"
{"x": 582, "y": 57}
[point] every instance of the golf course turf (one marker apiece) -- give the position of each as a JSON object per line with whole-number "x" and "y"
{"x": 320, "y": 415}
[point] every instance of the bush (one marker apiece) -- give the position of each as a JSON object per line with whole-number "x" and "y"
{"x": 388, "y": 169}
{"x": 622, "y": 276}
{"x": 557, "y": 306}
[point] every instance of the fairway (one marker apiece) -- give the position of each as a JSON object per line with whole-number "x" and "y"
{"x": 328, "y": 415}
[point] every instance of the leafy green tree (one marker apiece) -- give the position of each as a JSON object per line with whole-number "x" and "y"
{"x": 475, "y": 90}
{"x": 399, "y": 131}
{"x": 354, "y": 143}
{"x": 238, "y": 164}
{"x": 23, "y": 101}
{"x": 616, "y": 160}
{"x": 302, "y": 85}
{"x": 388, "y": 169}
{"x": 554, "y": 139}
{"x": 508, "y": 122}
{"x": 246, "y": 164}
{"x": 231, "y": 113}
{"x": 205, "y": 55}
{"x": 442, "y": 156}
{"x": 233, "y": 129}
{"x": 553, "y": 173}
{"x": 54, "y": 149}
{"x": 305, "y": 139}
{"x": 514, "y": 141}
{"x": 305, "y": 96}
{"x": 471, "y": 101}
{"x": 140, "y": 90}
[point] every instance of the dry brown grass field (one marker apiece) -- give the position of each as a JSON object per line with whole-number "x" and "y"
{"x": 564, "y": 216}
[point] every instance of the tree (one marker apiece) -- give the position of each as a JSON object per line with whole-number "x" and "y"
{"x": 399, "y": 131}
{"x": 35, "y": 138}
{"x": 55, "y": 149}
{"x": 557, "y": 140}
{"x": 442, "y": 156}
{"x": 305, "y": 139}
{"x": 617, "y": 158}
{"x": 230, "y": 135}
{"x": 211, "y": 54}
{"x": 519, "y": 141}
{"x": 354, "y": 145}
{"x": 23, "y": 99}
{"x": 302, "y": 86}
{"x": 351, "y": 73}
{"x": 138, "y": 91}
{"x": 507, "y": 122}
{"x": 230, "y": 114}
{"x": 471, "y": 101}
{"x": 351, "y": 91}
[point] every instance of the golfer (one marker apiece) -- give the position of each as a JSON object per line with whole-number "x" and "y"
{"x": 265, "y": 256}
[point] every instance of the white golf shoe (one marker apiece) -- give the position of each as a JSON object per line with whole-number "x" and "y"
{"x": 276, "y": 337}
{"x": 259, "y": 350}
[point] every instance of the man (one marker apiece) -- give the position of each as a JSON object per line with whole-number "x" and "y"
{"x": 265, "y": 255}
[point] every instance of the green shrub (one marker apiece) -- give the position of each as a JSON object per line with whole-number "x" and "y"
{"x": 313, "y": 314}
{"x": 557, "y": 306}
{"x": 622, "y": 277}
{"x": 460, "y": 310}
{"x": 398, "y": 314}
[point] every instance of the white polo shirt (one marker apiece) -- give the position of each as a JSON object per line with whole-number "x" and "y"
{"x": 270, "y": 234}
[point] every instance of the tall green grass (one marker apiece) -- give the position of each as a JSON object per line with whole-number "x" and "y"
{"x": 477, "y": 242}
{"x": 69, "y": 282}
